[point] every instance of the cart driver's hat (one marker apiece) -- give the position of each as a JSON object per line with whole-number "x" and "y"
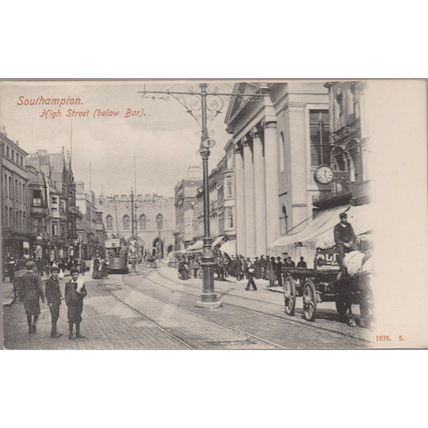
{"x": 343, "y": 215}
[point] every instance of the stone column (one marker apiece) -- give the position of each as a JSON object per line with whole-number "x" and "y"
{"x": 271, "y": 180}
{"x": 250, "y": 235}
{"x": 240, "y": 201}
{"x": 259, "y": 193}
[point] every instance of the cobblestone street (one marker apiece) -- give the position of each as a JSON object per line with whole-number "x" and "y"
{"x": 155, "y": 310}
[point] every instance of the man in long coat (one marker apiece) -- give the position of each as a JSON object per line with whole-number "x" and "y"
{"x": 75, "y": 292}
{"x": 53, "y": 297}
{"x": 30, "y": 291}
{"x": 263, "y": 265}
{"x": 250, "y": 273}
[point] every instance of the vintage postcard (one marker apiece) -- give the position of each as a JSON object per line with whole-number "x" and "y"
{"x": 212, "y": 214}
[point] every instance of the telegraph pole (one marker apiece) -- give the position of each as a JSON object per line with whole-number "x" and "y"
{"x": 132, "y": 214}
{"x": 133, "y": 263}
{"x": 136, "y": 206}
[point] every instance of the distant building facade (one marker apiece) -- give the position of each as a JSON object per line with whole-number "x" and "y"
{"x": 53, "y": 202}
{"x": 185, "y": 202}
{"x": 18, "y": 235}
{"x": 154, "y": 220}
{"x": 90, "y": 228}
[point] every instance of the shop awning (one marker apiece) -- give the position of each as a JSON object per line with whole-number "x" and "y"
{"x": 320, "y": 231}
{"x": 197, "y": 246}
{"x": 228, "y": 247}
{"x": 217, "y": 241}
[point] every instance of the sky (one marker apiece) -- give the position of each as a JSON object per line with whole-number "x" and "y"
{"x": 164, "y": 138}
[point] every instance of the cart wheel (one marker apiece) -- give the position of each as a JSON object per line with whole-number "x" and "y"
{"x": 309, "y": 300}
{"x": 289, "y": 295}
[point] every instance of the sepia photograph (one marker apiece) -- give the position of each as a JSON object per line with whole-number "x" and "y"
{"x": 247, "y": 181}
{"x": 189, "y": 214}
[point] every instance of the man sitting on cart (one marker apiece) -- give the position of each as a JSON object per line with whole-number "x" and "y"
{"x": 345, "y": 239}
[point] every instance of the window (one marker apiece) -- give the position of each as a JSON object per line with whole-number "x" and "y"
{"x": 229, "y": 217}
{"x": 159, "y": 221}
{"x": 6, "y": 220}
{"x": 230, "y": 160}
{"x": 125, "y": 221}
{"x": 37, "y": 198}
{"x": 10, "y": 188}
{"x": 142, "y": 222}
{"x": 24, "y": 221}
{"x": 229, "y": 187}
{"x": 109, "y": 222}
{"x": 16, "y": 190}
{"x": 343, "y": 162}
{"x": 6, "y": 193}
{"x": 16, "y": 219}
{"x": 282, "y": 153}
{"x": 319, "y": 132}
{"x": 13, "y": 155}
{"x": 10, "y": 217}
{"x": 7, "y": 151}
{"x": 55, "y": 229}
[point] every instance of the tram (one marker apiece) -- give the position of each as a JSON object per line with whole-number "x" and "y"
{"x": 117, "y": 256}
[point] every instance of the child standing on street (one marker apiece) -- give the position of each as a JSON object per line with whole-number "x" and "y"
{"x": 75, "y": 292}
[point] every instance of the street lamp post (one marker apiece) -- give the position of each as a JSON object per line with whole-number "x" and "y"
{"x": 209, "y": 298}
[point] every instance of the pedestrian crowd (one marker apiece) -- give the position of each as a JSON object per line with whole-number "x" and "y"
{"x": 240, "y": 267}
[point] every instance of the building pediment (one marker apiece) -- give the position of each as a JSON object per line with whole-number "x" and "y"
{"x": 237, "y": 102}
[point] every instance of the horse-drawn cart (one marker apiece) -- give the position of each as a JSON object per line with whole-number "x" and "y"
{"x": 326, "y": 283}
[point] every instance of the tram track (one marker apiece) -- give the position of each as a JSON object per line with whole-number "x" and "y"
{"x": 147, "y": 318}
{"x": 234, "y": 329}
{"x": 283, "y": 318}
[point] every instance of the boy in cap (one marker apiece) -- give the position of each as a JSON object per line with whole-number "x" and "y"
{"x": 75, "y": 292}
{"x": 30, "y": 290}
{"x": 53, "y": 297}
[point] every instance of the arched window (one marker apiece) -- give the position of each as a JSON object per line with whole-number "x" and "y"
{"x": 125, "y": 221}
{"x": 159, "y": 221}
{"x": 342, "y": 161}
{"x": 282, "y": 153}
{"x": 109, "y": 222}
{"x": 142, "y": 222}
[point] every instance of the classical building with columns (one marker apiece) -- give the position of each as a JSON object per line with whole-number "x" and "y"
{"x": 279, "y": 140}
